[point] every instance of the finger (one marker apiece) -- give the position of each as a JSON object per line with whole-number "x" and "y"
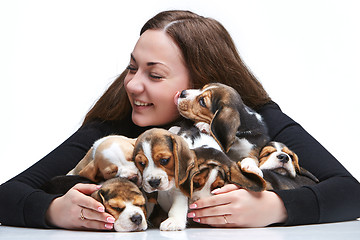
{"x": 216, "y": 221}
{"x": 225, "y": 189}
{"x": 96, "y": 216}
{"x": 215, "y": 211}
{"x": 210, "y": 202}
{"x": 86, "y": 188}
{"x": 90, "y": 224}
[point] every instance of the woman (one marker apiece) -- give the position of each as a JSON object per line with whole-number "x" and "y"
{"x": 178, "y": 50}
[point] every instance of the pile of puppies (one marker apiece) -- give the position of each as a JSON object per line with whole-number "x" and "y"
{"x": 221, "y": 141}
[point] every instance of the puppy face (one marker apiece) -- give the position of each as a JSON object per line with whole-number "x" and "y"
{"x": 276, "y": 156}
{"x": 156, "y": 154}
{"x": 123, "y": 200}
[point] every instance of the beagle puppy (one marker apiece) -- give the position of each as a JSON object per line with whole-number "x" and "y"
{"x": 161, "y": 156}
{"x": 109, "y": 157}
{"x": 219, "y": 110}
{"x": 120, "y": 197}
{"x": 281, "y": 168}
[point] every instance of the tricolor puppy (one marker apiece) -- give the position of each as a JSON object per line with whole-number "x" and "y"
{"x": 160, "y": 156}
{"x": 278, "y": 157}
{"x": 120, "y": 197}
{"x": 109, "y": 157}
{"x": 281, "y": 168}
{"x": 213, "y": 169}
{"x": 219, "y": 110}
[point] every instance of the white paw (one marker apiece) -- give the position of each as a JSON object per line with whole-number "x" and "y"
{"x": 172, "y": 224}
{"x": 203, "y": 127}
{"x": 249, "y": 165}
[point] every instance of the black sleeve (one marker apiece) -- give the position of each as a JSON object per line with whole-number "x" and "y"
{"x": 21, "y": 201}
{"x": 335, "y": 198}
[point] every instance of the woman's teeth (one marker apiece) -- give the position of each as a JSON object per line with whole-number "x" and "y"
{"x": 138, "y": 103}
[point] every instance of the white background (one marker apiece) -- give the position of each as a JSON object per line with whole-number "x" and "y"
{"x": 57, "y": 58}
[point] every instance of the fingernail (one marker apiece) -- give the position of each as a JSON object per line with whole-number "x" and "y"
{"x": 215, "y": 191}
{"x": 98, "y": 187}
{"x": 191, "y": 215}
{"x": 110, "y": 220}
{"x": 108, "y": 226}
{"x": 101, "y": 209}
{"x": 196, "y": 220}
{"x": 193, "y": 206}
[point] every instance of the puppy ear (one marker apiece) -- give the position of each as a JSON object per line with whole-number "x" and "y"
{"x": 99, "y": 195}
{"x": 90, "y": 171}
{"x": 108, "y": 171}
{"x": 249, "y": 181}
{"x": 224, "y": 126}
{"x": 295, "y": 160}
{"x": 306, "y": 173}
{"x": 184, "y": 159}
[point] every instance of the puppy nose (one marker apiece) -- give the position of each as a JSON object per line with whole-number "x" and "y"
{"x": 154, "y": 183}
{"x": 137, "y": 219}
{"x": 183, "y": 94}
{"x": 283, "y": 158}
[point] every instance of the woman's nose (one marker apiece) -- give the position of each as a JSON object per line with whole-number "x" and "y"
{"x": 135, "y": 84}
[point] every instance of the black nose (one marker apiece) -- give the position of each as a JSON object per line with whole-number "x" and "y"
{"x": 154, "y": 183}
{"x": 183, "y": 94}
{"x": 137, "y": 219}
{"x": 283, "y": 158}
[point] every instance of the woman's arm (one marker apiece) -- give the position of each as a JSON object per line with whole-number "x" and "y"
{"x": 22, "y": 203}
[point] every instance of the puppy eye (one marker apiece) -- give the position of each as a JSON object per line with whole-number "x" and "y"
{"x": 202, "y": 102}
{"x": 118, "y": 209}
{"x": 141, "y": 164}
{"x": 164, "y": 161}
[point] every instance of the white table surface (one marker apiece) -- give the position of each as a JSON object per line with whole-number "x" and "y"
{"x": 344, "y": 231}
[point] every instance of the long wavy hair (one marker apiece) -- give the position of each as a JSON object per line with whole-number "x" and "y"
{"x": 209, "y": 54}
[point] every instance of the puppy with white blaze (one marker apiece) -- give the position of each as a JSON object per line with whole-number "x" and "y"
{"x": 160, "y": 155}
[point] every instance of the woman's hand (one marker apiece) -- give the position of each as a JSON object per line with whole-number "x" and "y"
{"x": 77, "y": 210}
{"x": 234, "y": 207}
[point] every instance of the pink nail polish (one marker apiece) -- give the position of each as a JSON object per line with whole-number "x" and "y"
{"x": 101, "y": 209}
{"x": 196, "y": 220}
{"x": 110, "y": 220}
{"x": 191, "y": 215}
{"x": 193, "y": 206}
{"x": 108, "y": 226}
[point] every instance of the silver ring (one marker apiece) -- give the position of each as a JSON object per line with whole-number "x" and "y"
{"x": 82, "y": 214}
{"x": 226, "y": 222}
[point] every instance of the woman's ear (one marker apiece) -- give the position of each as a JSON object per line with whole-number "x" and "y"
{"x": 224, "y": 126}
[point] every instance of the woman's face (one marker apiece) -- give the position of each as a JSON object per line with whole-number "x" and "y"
{"x": 156, "y": 72}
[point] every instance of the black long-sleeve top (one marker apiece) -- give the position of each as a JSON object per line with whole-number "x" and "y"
{"x": 335, "y": 198}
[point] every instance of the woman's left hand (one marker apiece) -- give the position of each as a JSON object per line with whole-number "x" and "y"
{"x": 232, "y": 206}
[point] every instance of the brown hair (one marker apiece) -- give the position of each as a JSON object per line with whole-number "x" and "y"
{"x": 209, "y": 53}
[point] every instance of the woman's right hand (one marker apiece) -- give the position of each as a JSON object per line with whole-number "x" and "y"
{"x": 77, "y": 210}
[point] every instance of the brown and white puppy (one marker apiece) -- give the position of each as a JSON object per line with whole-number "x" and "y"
{"x": 120, "y": 197}
{"x": 109, "y": 157}
{"x": 278, "y": 157}
{"x": 281, "y": 168}
{"x": 161, "y": 156}
{"x": 213, "y": 169}
{"x": 219, "y": 110}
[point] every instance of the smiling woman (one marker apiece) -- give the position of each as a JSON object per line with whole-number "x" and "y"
{"x": 156, "y": 72}
{"x": 177, "y": 50}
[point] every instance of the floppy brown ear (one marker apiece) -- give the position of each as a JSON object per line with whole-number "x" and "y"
{"x": 306, "y": 173}
{"x": 184, "y": 159}
{"x": 224, "y": 126}
{"x": 295, "y": 159}
{"x": 249, "y": 181}
{"x": 108, "y": 171}
{"x": 99, "y": 195}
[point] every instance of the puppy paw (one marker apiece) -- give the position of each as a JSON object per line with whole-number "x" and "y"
{"x": 203, "y": 127}
{"x": 249, "y": 165}
{"x": 172, "y": 224}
